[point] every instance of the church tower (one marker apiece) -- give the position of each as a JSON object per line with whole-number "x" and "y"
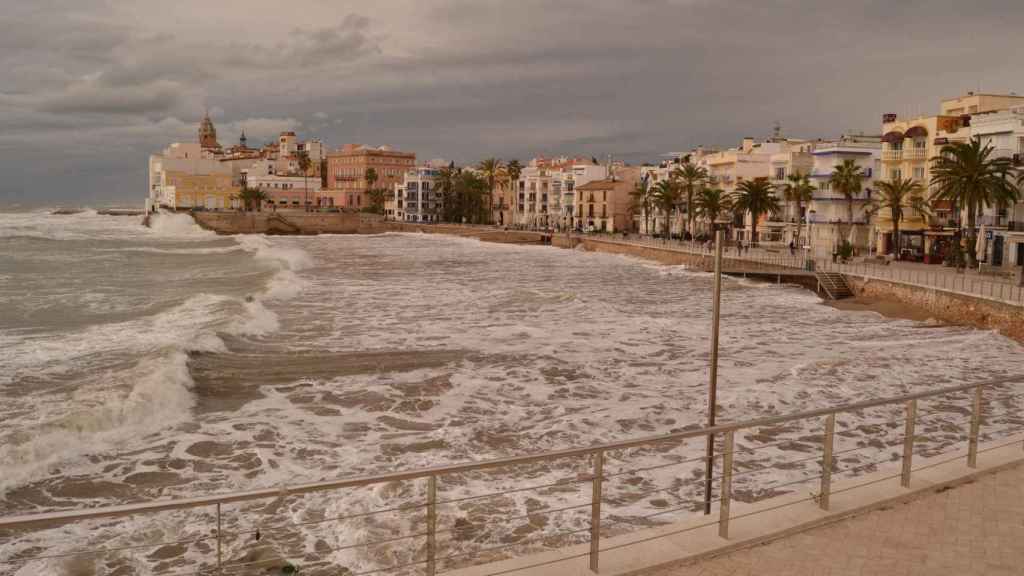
{"x": 207, "y": 133}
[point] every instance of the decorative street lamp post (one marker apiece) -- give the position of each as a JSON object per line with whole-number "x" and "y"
{"x": 719, "y": 225}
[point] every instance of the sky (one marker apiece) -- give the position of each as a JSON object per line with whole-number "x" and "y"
{"x": 88, "y": 89}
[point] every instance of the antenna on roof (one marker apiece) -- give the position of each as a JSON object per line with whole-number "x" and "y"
{"x": 776, "y": 130}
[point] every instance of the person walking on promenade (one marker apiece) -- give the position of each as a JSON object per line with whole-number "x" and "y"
{"x": 739, "y": 247}
{"x": 792, "y": 248}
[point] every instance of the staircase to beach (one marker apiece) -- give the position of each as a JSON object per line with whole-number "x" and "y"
{"x": 834, "y": 285}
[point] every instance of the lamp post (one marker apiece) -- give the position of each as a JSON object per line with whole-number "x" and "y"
{"x": 709, "y": 462}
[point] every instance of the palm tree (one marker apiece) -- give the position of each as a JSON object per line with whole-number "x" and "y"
{"x": 666, "y": 196}
{"x": 513, "y": 170}
{"x": 711, "y": 203}
{"x": 798, "y": 190}
{"x": 966, "y": 174}
{"x": 490, "y": 168}
{"x": 895, "y": 195}
{"x": 692, "y": 178}
{"x": 304, "y": 165}
{"x": 445, "y": 186}
{"x": 846, "y": 179}
{"x": 252, "y": 197}
{"x": 642, "y": 199}
{"x": 757, "y": 197}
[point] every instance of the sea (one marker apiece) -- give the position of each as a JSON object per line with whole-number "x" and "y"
{"x": 152, "y": 363}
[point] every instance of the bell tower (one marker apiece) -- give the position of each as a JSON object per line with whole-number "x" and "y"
{"x": 207, "y": 133}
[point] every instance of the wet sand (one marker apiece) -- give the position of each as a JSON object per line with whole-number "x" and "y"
{"x": 887, "y": 308}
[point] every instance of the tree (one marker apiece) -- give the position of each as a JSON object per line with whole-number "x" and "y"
{"x": 490, "y": 168}
{"x": 666, "y": 196}
{"x": 966, "y": 174}
{"x": 846, "y": 179}
{"x": 642, "y": 200}
{"x": 757, "y": 197}
{"x": 445, "y": 186}
{"x": 798, "y": 190}
{"x": 711, "y": 203}
{"x": 692, "y": 178}
{"x": 304, "y": 165}
{"x": 251, "y": 197}
{"x": 513, "y": 170}
{"x": 377, "y": 197}
{"x": 895, "y": 195}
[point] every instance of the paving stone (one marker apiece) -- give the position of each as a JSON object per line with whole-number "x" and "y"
{"x": 973, "y": 529}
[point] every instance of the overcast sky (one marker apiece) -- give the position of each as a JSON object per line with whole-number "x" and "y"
{"x": 88, "y": 89}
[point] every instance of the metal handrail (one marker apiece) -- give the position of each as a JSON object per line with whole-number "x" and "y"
{"x": 361, "y": 481}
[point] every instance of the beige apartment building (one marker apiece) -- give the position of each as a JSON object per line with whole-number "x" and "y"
{"x": 908, "y": 145}
{"x": 605, "y": 205}
{"x": 346, "y": 173}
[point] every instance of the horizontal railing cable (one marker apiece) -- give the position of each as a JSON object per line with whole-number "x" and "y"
{"x": 195, "y": 502}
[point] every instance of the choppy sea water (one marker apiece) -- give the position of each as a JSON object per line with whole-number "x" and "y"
{"x": 169, "y": 362}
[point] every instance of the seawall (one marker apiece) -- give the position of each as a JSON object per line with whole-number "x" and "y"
{"x": 946, "y": 306}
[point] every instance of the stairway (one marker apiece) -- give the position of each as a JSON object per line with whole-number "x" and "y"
{"x": 834, "y": 284}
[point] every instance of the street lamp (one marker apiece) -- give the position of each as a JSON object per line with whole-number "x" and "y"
{"x": 719, "y": 225}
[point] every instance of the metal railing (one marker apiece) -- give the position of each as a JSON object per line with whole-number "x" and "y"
{"x": 940, "y": 278}
{"x": 737, "y": 461}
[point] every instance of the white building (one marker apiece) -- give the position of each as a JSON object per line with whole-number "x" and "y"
{"x": 546, "y": 191}
{"x": 415, "y": 199}
{"x": 827, "y": 212}
{"x": 1004, "y": 131}
{"x": 183, "y": 157}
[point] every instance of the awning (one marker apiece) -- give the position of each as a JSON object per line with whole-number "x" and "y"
{"x": 916, "y": 132}
{"x": 893, "y": 137}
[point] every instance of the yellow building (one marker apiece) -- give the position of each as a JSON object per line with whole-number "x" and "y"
{"x": 908, "y": 145}
{"x": 209, "y": 191}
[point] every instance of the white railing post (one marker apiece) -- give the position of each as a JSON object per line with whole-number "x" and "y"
{"x": 972, "y": 440}
{"x": 431, "y": 525}
{"x": 723, "y": 505}
{"x": 595, "y": 510}
{"x": 826, "y": 462}
{"x": 908, "y": 443}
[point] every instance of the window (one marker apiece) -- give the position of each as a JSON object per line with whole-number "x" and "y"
{"x": 919, "y": 173}
{"x": 920, "y": 143}
{"x": 780, "y": 173}
{"x": 895, "y": 173}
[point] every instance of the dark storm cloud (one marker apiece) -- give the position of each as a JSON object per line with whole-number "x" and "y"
{"x": 464, "y": 79}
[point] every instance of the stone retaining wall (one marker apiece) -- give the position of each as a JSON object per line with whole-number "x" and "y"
{"x": 946, "y": 306}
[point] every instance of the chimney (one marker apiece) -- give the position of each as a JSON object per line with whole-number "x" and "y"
{"x": 748, "y": 144}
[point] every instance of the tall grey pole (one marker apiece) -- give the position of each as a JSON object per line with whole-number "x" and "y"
{"x": 713, "y": 388}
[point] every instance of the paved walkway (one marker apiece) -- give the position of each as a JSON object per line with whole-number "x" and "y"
{"x": 972, "y": 529}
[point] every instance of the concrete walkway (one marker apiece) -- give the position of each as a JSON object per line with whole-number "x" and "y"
{"x": 972, "y": 529}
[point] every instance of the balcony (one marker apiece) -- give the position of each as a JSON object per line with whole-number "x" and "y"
{"x": 892, "y": 155}
{"x": 915, "y": 154}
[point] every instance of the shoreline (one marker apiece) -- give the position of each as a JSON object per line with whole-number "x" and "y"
{"x": 888, "y": 308}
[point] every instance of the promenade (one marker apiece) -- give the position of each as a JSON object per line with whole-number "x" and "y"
{"x": 971, "y": 529}
{"x": 998, "y": 288}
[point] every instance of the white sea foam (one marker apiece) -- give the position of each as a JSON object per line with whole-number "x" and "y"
{"x": 257, "y": 321}
{"x": 153, "y": 396}
{"x": 177, "y": 226}
{"x": 289, "y": 257}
